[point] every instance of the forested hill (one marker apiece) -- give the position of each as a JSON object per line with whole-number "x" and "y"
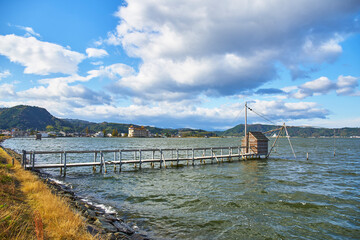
{"x": 293, "y": 131}
{"x": 35, "y": 118}
{"x": 27, "y": 117}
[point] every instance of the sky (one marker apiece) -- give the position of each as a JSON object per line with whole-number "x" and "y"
{"x": 179, "y": 63}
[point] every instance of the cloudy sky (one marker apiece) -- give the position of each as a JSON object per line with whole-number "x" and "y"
{"x": 184, "y": 63}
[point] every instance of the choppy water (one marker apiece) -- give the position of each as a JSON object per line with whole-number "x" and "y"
{"x": 278, "y": 198}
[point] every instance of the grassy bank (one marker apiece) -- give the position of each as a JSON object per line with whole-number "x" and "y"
{"x": 28, "y": 209}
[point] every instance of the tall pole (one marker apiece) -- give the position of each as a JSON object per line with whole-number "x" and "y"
{"x": 246, "y": 139}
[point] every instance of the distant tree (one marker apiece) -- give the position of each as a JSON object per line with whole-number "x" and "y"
{"x": 104, "y": 132}
{"x": 87, "y": 131}
{"x": 49, "y": 128}
{"x": 66, "y": 129}
{"x": 115, "y": 133}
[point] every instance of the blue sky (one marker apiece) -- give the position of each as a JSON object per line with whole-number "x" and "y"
{"x": 184, "y": 63}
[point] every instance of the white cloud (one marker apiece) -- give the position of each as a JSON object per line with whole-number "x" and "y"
{"x": 225, "y": 47}
{"x": 29, "y": 30}
{"x": 97, "y": 63}
{"x": 321, "y": 52}
{"x": 96, "y": 53}
{"x": 280, "y": 110}
{"x": 4, "y": 74}
{"x": 114, "y": 71}
{"x": 68, "y": 79}
{"x": 39, "y": 57}
{"x": 179, "y": 113}
{"x": 321, "y": 85}
{"x": 59, "y": 90}
{"x": 6, "y": 91}
{"x": 345, "y": 86}
{"x": 210, "y": 76}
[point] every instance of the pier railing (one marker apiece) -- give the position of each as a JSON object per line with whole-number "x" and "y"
{"x": 138, "y": 157}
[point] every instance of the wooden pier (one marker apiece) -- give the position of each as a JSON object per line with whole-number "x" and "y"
{"x": 137, "y": 157}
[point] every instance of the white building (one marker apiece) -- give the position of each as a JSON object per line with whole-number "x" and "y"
{"x": 99, "y": 134}
{"x": 138, "y": 132}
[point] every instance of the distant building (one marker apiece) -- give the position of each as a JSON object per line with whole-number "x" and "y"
{"x": 138, "y": 132}
{"x": 99, "y": 134}
{"x": 44, "y": 134}
{"x": 6, "y": 133}
{"x": 18, "y": 133}
{"x": 62, "y": 133}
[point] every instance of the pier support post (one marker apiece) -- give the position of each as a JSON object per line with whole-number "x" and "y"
{"x": 64, "y": 164}
{"x": 221, "y": 153}
{"x": 24, "y": 159}
{"x": 101, "y": 161}
{"x": 160, "y": 158}
{"x": 193, "y": 157}
{"x": 140, "y": 159}
{"x": 307, "y": 156}
{"x": 33, "y": 160}
{"x": 229, "y": 154}
{"x": 94, "y": 167}
{"x": 177, "y": 157}
{"x": 163, "y": 157}
{"x": 114, "y": 161}
{"x": 152, "y": 164}
{"x": 120, "y": 159}
{"x": 61, "y": 161}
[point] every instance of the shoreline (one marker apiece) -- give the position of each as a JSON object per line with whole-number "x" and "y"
{"x": 98, "y": 221}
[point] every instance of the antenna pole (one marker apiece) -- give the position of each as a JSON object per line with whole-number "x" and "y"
{"x": 246, "y": 138}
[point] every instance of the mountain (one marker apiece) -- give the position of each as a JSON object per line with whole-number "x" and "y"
{"x": 35, "y": 118}
{"x": 293, "y": 131}
{"x": 27, "y": 117}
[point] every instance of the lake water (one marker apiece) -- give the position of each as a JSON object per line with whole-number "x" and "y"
{"x": 278, "y": 198}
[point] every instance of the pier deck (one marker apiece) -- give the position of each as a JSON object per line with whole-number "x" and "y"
{"x": 134, "y": 156}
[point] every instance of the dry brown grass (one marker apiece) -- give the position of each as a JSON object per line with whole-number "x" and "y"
{"x": 15, "y": 213}
{"x": 50, "y": 218}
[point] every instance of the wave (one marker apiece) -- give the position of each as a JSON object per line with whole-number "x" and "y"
{"x": 106, "y": 208}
